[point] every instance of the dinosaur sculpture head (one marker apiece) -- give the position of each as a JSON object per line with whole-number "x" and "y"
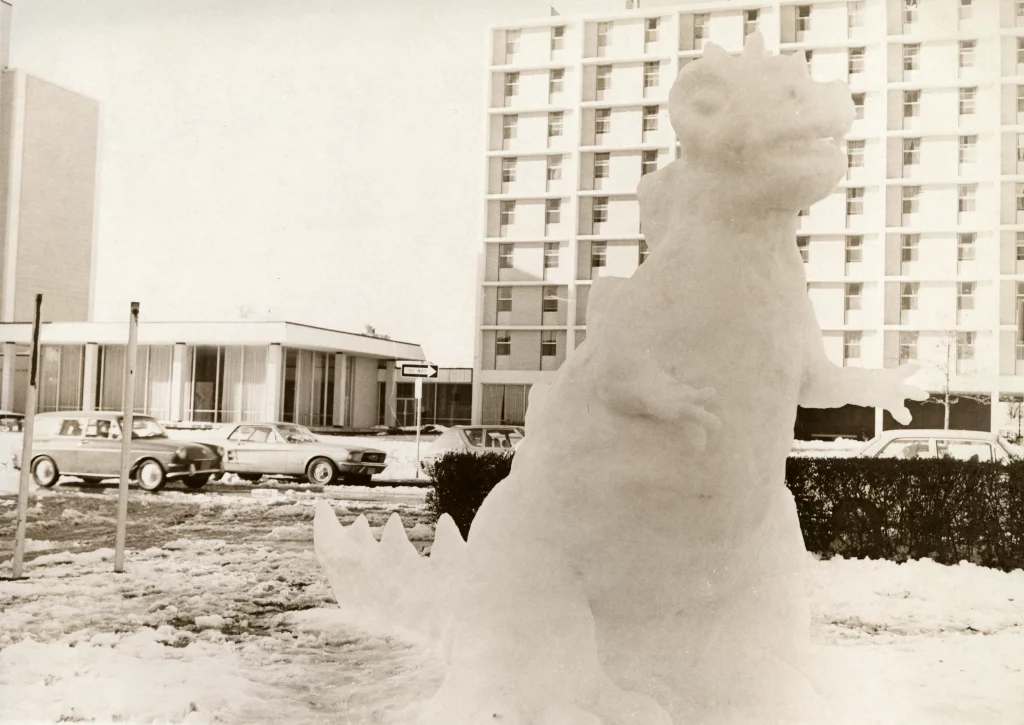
{"x": 759, "y": 120}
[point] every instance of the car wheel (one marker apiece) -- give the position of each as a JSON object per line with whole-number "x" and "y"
{"x": 44, "y": 472}
{"x": 195, "y": 482}
{"x": 150, "y": 476}
{"x": 321, "y": 471}
{"x": 358, "y": 479}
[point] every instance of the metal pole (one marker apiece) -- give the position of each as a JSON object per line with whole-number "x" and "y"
{"x": 419, "y": 406}
{"x": 127, "y": 427}
{"x": 26, "y": 447}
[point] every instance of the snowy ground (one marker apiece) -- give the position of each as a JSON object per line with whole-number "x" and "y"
{"x": 223, "y": 616}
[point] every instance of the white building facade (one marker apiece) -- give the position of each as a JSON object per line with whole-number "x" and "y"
{"x": 917, "y": 255}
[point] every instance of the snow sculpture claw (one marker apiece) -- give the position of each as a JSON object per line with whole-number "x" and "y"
{"x": 890, "y": 389}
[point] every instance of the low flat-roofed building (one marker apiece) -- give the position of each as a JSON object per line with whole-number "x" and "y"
{"x": 208, "y": 372}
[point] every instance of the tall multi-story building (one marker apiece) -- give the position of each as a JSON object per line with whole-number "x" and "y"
{"x": 917, "y": 255}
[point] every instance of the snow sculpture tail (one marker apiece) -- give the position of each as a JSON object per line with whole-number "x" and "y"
{"x": 388, "y": 584}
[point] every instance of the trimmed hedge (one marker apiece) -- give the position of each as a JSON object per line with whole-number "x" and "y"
{"x": 946, "y": 510}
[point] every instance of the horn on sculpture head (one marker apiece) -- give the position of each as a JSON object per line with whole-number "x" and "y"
{"x": 715, "y": 53}
{"x": 754, "y": 48}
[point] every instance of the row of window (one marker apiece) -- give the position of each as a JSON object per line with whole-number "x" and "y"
{"x": 966, "y": 247}
{"x": 548, "y": 343}
{"x": 598, "y": 255}
{"x": 556, "y": 122}
{"x": 602, "y": 166}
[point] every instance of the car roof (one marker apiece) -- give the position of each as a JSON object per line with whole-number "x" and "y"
{"x": 936, "y": 433}
{"x": 88, "y": 414}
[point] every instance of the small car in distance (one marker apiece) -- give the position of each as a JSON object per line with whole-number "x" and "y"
{"x": 964, "y": 445}
{"x": 11, "y": 422}
{"x": 254, "y": 450}
{"x": 476, "y": 438}
{"x": 87, "y": 445}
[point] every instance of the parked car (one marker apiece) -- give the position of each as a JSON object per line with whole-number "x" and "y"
{"x": 287, "y": 449}
{"x": 87, "y": 445}
{"x": 937, "y": 443}
{"x": 476, "y": 438}
{"x": 11, "y": 422}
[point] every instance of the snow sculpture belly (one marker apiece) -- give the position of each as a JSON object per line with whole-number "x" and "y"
{"x": 640, "y": 564}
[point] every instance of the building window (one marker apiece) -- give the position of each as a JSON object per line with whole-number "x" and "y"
{"x": 650, "y": 118}
{"x": 700, "y": 29}
{"x": 854, "y": 153}
{"x": 556, "y": 81}
{"x": 1020, "y": 197}
{"x": 911, "y": 57}
{"x": 1020, "y": 51}
{"x": 555, "y": 121}
{"x": 911, "y": 199}
{"x": 550, "y": 255}
{"x": 908, "y": 296}
{"x": 550, "y": 301}
{"x": 552, "y": 211}
{"x": 967, "y": 98}
{"x": 967, "y": 198}
{"x": 511, "y": 86}
{"x": 804, "y": 245}
{"x": 554, "y": 168}
{"x": 508, "y": 170}
{"x": 598, "y": 254}
{"x": 911, "y": 104}
{"x": 909, "y": 247}
{"x": 511, "y": 44}
{"x": 908, "y": 346}
{"x": 652, "y": 72}
{"x": 1020, "y": 8}
{"x": 851, "y": 346}
{"x": 911, "y": 151}
{"x": 602, "y": 165}
{"x": 644, "y": 252}
{"x": 557, "y": 37}
{"x": 854, "y": 201}
{"x": 968, "y": 153}
{"x": 508, "y": 213}
{"x": 855, "y": 14}
{"x": 965, "y": 54}
{"x": 602, "y": 121}
{"x": 1020, "y": 246}
{"x": 604, "y": 31}
{"x": 909, "y": 12}
{"x": 600, "y": 209}
{"x": 648, "y": 162}
{"x": 504, "y": 299}
{"x": 854, "y": 249}
{"x": 803, "y": 18}
{"x": 651, "y": 31}
{"x": 749, "y": 22}
{"x": 965, "y": 296}
{"x": 508, "y": 127}
{"x": 965, "y": 350}
{"x": 503, "y": 344}
{"x": 966, "y": 10}
{"x": 858, "y": 106}
{"x": 855, "y": 61}
{"x": 853, "y": 296}
{"x": 603, "y": 79}
{"x": 548, "y": 343}
{"x": 1020, "y": 99}
{"x": 505, "y": 252}
{"x": 965, "y": 246}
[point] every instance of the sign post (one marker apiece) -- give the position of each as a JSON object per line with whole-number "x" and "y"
{"x": 127, "y": 428}
{"x": 27, "y": 432}
{"x": 419, "y": 370}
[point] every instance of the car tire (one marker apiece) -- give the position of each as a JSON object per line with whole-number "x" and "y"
{"x": 150, "y": 475}
{"x": 322, "y": 471}
{"x": 197, "y": 482}
{"x": 44, "y": 472}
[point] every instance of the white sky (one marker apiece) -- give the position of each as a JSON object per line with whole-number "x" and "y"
{"x": 319, "y": 161}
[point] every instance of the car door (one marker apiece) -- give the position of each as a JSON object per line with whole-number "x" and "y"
{"x": 235, "y": 444}
{"x": 907, "y": 448}
{"x": 66, "y": 446}
{"x": 262, "y": 451}
{"x": 100, "y": 454}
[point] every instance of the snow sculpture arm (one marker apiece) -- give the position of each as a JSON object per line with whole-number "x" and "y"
{"x": 827, "y": 385}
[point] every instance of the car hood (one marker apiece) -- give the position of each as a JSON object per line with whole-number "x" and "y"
{"x": 341, "y": 446}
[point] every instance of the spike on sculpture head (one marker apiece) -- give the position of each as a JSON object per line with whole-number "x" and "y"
{"x": 760, "y": 117}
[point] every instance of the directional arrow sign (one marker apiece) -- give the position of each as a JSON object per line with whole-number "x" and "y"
{"x": 419, "y": 370}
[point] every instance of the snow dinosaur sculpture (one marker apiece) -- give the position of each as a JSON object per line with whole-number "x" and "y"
{"x": 640, "y": 564}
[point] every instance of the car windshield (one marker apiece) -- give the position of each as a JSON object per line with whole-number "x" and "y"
{"x": 297, "y": 433}
{"x": 146, "y": 428}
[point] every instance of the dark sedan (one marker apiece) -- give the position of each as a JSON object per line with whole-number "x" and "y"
{"x": 87, "y": 445}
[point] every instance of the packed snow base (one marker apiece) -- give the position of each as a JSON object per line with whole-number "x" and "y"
{"x": 700, "y": 617}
